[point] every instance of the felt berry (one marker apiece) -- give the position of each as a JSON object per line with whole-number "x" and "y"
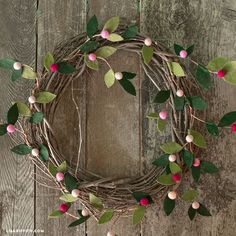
{"x": 92, "y": 57}
{"x": 54, "y": 67}
{"x": 32, "y": 99}
{"x": 144, "y": 201}
{"x": 85, "y": 212}
{"x": 172, "y": 195}
{"x": 183, "y": 54}
{"x": 196, "y": 162}
{"x": 148, "y": 42}
{"x": 75, "y": 192}
{"x": 233, "y": 128}
{"x": 118, "y": 75}
{"x": 195, "y": 205}
{"x": 172, "y": 158}
{"x": 105, "y": 34}
{"x": 59, "y": 176}
{"x": 221, "y": 73}
{"x": 63, "y": 208}
{"x": 11, "y": 128}
{"x": 17, "y": 66}
{"x": 163, "y": 115}
{"x": 180, "y": 93}
{"x": 176, "y": 178}
{"x": 189, "y": 138}
{"x": 110, "y": 233}
{"x": 35, "y": 152}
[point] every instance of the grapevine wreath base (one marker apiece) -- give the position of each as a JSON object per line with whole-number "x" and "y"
{"x": 179, "y": 96}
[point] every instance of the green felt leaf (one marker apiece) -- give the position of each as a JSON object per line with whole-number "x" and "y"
{"x": 188, "y": 158}
{"x": 179, "y": 103}
{"x": 196, "y": 171}
{"x": 44, "y": 97}
{"x": 203, "y": 77}
{"x": 197, "y": 103}
{"x": 230, "y": 77}
{"x": 89, "y": 46}
{"x": 109, "y": 78}
{"x": 198, "y": 139}
{"x": 127, "y": 86}
{"x": 138, "y": 214}
{"x": 3, "y": 129}
{"x": 106, "y": 216}
{"x": 48, "y": 61}
{"x": 230, "y": 66}
{"x": 130, "y": 32}
{"x": 92, "y": 26}
{"x": 161, "y": 125}
{"x": 212, "y": 128}
{"x": 56, "y": 214}
{"x": 91, "y": 64}
{"x": 162, "y": 96}
{"x": 208, "y": 167}
{"x": 112, "y": 24}
{"x": 217, "y": 64}
{"x": 147, "y": 54}
{"x": 176, "y": 69}
{"x": 191, "y": 212}
{"x": 174, "y": 168}
{"x": 16, "y": 74}
{"x": 7, "y": 63}
{"x": 162, "y": 160}
{"x": 105, "y": 51}
{"x": 227, "y": 119}
{"x": 65, "y": 67}
{"x": 13, "y": 114}
{"x": 43, "y": 154}
{"x": 70, "y": 182}
{"x": 165, "y": 179}
{"x": 189, "y": 195}
{"x": 21, "y": 149}
{"x": 36, "y": 118}
{"x": 171, "y": 147}
{"x": 190, "y": 49}
{"x": 95, "y": 201}
{"x": 78, "y": 222}
{"x": 202, "y": 210}
{"x": 139, "y": 195}
{"x": 178, "y": 48}
{"x": 153, "y": 115}
{"x": 23, "y": 109}
{"x": 128, "y": 75}
{"x": 28, "y": 73}
{"x": 169, "y": 205}
{"x": 62, "y": 167}
{"x": 52, "y": 169}
{"x": 68, "y": 198}
{"x": 115, "y": 38}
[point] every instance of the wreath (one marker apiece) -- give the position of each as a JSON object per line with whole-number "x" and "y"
{"x": 179, "y": 99}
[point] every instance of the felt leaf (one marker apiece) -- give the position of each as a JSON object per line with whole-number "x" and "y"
{"x": 130, "y": 32}
{"x": 208, "y": 167}
{"x": 161, "y": 125}
{"x": 165, "y": 179}
{"x": 106, "y": 216}
{"x": 162, "y": 160}
{"x": 198, "y": 139}
{"x": 167, "y": 170}
{"x": 217, "y": 64}
{"x": 169, "y": 205}
{"x": 230, "y": 66}
{"x": 191, "y": 212}
{"x": 109, "y": 78}
{"x": 105, "y": 51}
{"x": 176, "y": 69}
{"x": 112, "y": 24}
{"x": 127, "y": 86}
{"x": 162, "y": 96}
{"x": 52, "y": 169}
{"x": 153, "y": 115}
{"x": 36, "y": 118}
{"x": 147, "y": 54}
{"x": 139, "y": 195}
{"x": 178, "y": 48}
{"x": 174, "y": 168}
{"x": 202, "y": 210}
{"x": 65, "y": 67}
{"x": 70, "y": 182}
{"x": 78, "y": 222}
{"x": 203, "y": 77}
{"x": 115, "y": 38}
{"x": 56, "y": 214}
{"x": 95, "y": 201}
{"x": 212, "y": 128}
{"x": 3, "y": 129}
{"x": 179, "y": 103}
{"x": 43, "y": 153}
{"x": 190, "y": 49}
{"x": 171, "y": 147}
{"x": 48, "y": 61}
{"x": 189, "y": 195}
{"x": 68, "y": 198}
{"x": 138, "y": 214}
{"x": 23, "y": 109}
{"x": 188, "y": 158}
{"x": 92, "y": 26}
{"x": 28, "y": 73}
{"x": 196, "y": 171}
{"x": 62, "y": 167}
{"x": 16, "y": 74}
{"x": 7, "y": 63}
{"x": 227, "y": 119}
{"x": 230, "y": 77}
{"x": 197, "y": 103}
{"x": 13, "y": 114}
{"x": 89, "y": 46}
{"x": 128, "y": 75}
{"x": 21, "y": 149}
{"x": 44, "y": 97}
{"x": 91, "y": 64}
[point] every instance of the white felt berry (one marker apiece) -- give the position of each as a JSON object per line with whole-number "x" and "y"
{"x": 195, "y": 205}
{"x": 75, "y": 192}
{"x": 35, "y": 152}
{"x": 32, "y": 99}
{"x": 172, "y": 158}
{"x": 110, "y": 233}
{"x": 148, "y": 42}
{"x": 17, "y": 66}
{"x": 189, "y": 138}
{"x": 172, "y": 195}
{"x": 85, "y": 212}
{"x": 118, "y": 75}
{"x": 180, "y": 93}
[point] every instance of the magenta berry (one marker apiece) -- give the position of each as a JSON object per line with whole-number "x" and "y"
{"x": 176, "y": 178}
{"x": 92, "y": 57}
{"x": 144, "y": 201}
{"x": 221, "y": 73}
{"x": 233, "y": 128}
{"x": 183, "y": 54}
{"x": 11, "y": 128}
{"x": 59, "y": 176}
{"x": 63, "y": 208}
{"x": 196, "y": 162}
{"x": 105, "y": 34}
{"x": 54, "y": 67}
{"x": 163, "y": 115}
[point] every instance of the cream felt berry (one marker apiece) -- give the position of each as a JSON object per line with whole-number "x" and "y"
{"x": 148, "y": 42}
{"x": 11, "y": 128}
{"x": 32, "y": 99}
{"x": 183, "y": 54}
{"x": 180, "y": 93}
{"x": 75, "y": 192}
{"x": 111, "y": 233}
{"x": 105, "y": 34}
{"x": 17, "y": 66}
{"x": 59, "y": 176}
{"x": 189, "y": 138}
{"x": 35, "y": 152}
{"x": 63, "y": 207}
{"x": 172, "y": 195}
{"x": 85, "y": 212}
{"x": 54, "y": 67}
{"x": 118, "y": 75}
{"x": 195, "y": 205}
{"x": 172, "y": 158}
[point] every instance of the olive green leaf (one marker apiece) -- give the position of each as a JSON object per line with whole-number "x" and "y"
{"x": 115, "y": 38}
{"x": 48, "y": 61}
{"x": 95, "y": 201}
{"x": 161, "y": 125}
{"x": 165, "y": 179}
{"x": 21, "y": 149}
{"x": 174, "y": 168}
{"x": 105, "y": 51}
{"x": 171, "y": 147}
{"x": 198, "y": 139}
{"x": 138, "y": 214}
{"x": 112, "y": 24}
{"x": 28, "y": 73}
{"x": 44, "y": 97}
{"x": 153, "y": 115}
{"x": 56, "y": 214}
{"x": 217, "y": 64}
{"x": 62, "y": 167}
{"x": 106, "y": 216}
{"x": 92, "y": 26}
{"x": 23, "y": 109}
{"x": 189, "y": 195}
{"x": 147, "y": 54}
{"x": 176, "y": 69}
{"x": 52, "y": 169}
{"x": 109, "y": 78}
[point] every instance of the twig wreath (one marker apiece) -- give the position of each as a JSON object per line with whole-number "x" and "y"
{"x": 107, "y": 198}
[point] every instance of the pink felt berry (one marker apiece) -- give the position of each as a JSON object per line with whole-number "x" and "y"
{"x": 163, "y": 115}
{"x": 35, "y": 152}
{"x": 195, "y": 205}
{"x": 144, "y": 201}
{"x": 233, "y": 128}
{"x": 110, "y": 233}
{"x": 63, "y": 207}
{"x": 11, "y": 128}
{"x": 183, "y": 54}
{"x": 85, "y": 212}
{"x": 54, "y": 67}
{"x": 148, "y": 42}
{"x": 176, "y": 178}
{"x": 221, "y": 73}
{"x": 172, "y": 158}
{"x": 180, "y": 93}
{"x": 92, "y": 57}
{"x": 32, "y": 99}
{"x": 118, "y": 75}
{"x": 189, "y": 138}
{"x": 105, "y": 34}
{"x": 59, "y": 176}
{"x": 172, "y": 195}
{"x": 17, "y": 66}
{"x": 75, "y": 192}
{"x": 196, "y": 162}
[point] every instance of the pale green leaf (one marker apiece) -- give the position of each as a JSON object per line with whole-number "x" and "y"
{"x": 95, "y": 201}
{"x": 52, "y": 169}
{"x": 147, "y": 54}
{"x": 138, "y": 214}
{"x": 44, "y": 97}
{"x": 230, "y": 66}
{"x": 176, "y": 69}
{"x": 217, "y": 64}
{"x": 105, "y": 51}
{"x": 189, "y": 195}
{"x": 62, "y": 167}
{"x": 68, "y": 198}
{"x": 56, "y": 214}
{"x": 109, "y": 78}
{"x": 198, "y": 139}
{"x": 48, "y": 61}
{"x": 115, "y": 38}
{"x": 112, "y": 24}
{"x": 153, "y": 115}
{"x": 165, "y": 179}
{"x": 171, "y": 147}
{"x": 174, "y": 168}
{"x": 161, "y": 125}
{"x": 230, "y": 77}
{"x": 106, "y": 216}
{"x": 23, "y": 109}
{"x": 91, "y": 64}
{"x": 28, "y": 73}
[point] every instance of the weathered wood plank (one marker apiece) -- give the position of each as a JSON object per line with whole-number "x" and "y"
{"x": 16, "y": 186}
